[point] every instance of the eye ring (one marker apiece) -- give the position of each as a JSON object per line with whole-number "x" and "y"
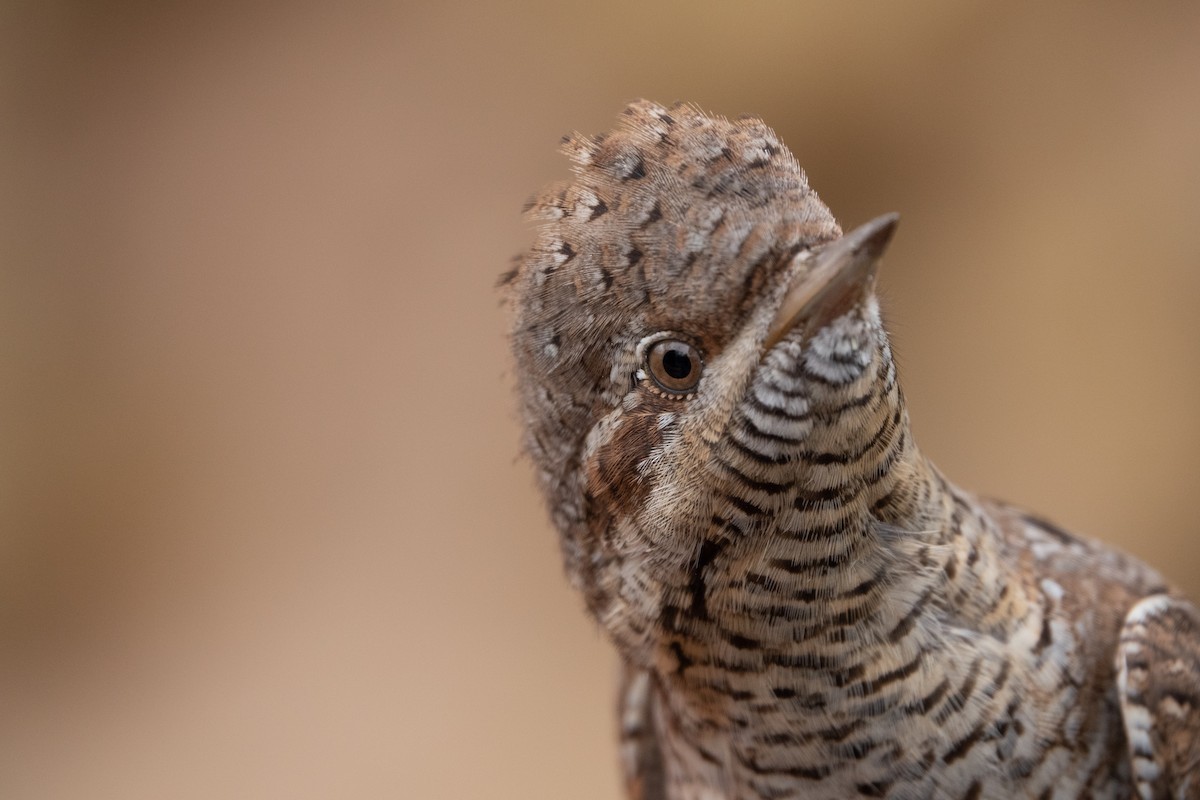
{"x": 674, "y": 365}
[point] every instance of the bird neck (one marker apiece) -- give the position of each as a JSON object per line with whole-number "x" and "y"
{"x": 787, "y": 613}
{"x": 849, "y": 548}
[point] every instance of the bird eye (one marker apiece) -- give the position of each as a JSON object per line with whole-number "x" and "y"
{"x": 674, "y": 365}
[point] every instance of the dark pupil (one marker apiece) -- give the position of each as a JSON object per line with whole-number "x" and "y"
{"x": 677, "y": 363}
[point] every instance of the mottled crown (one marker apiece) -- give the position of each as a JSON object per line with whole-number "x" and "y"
{"x": 676, "y": 220}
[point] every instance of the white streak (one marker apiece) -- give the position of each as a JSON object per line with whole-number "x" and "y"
{"x": 1148, "y": 608}
{"x": 1052, "y": 589}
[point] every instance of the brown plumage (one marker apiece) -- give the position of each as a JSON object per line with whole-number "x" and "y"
{"x": 805, "y": 606}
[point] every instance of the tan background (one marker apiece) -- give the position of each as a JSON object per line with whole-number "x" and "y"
{"x": 264, "y": 530}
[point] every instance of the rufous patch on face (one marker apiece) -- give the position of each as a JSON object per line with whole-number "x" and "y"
{"x": 614, "y": 474}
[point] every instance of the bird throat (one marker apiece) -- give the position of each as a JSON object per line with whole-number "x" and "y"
{"x": 810, "y": 570}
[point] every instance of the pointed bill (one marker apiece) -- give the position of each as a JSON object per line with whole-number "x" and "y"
{"x": 839, "y": 271}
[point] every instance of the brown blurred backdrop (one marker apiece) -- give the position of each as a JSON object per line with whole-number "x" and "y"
{"x": 264, "y": 529}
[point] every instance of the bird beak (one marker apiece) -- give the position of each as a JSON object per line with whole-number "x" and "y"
{"x": 839, "y": 275}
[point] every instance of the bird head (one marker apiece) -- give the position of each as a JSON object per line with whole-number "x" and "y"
{"x": 699, "y": 357}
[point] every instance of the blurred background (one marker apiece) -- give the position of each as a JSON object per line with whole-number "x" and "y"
{"x": 264, "y": 530}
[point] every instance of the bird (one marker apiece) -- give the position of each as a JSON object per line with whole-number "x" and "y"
{"x": 803, "y": 604}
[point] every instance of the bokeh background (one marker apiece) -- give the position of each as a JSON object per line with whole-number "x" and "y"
{"x": 264, "y": 530}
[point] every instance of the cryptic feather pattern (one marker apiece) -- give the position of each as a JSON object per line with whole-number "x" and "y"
{"x": 806, "y": 607}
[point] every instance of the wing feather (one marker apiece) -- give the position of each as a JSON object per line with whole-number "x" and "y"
{"x": 1158, "y": 674}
